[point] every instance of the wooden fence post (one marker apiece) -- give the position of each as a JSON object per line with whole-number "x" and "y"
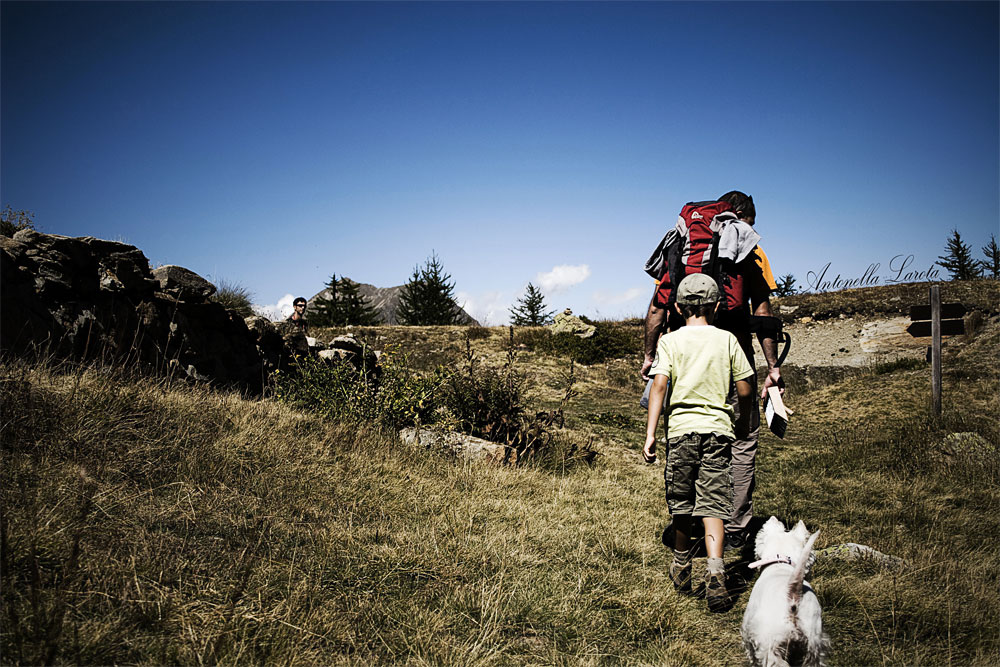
{"x": 936, "y": 347}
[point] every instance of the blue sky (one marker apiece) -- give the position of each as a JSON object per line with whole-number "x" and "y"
{"x": 272, "y": 144}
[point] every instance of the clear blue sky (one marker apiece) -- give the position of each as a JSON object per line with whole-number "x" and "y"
{"x": 272, "y": 144}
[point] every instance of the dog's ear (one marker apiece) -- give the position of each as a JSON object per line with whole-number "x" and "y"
{"x": 800, "y": 531}
{"x": 772, "y": 526}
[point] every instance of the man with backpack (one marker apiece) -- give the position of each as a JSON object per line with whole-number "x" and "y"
{"x": 717, "y": 238}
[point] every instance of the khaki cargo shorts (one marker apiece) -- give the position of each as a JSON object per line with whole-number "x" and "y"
{"x": 699, "y": 475}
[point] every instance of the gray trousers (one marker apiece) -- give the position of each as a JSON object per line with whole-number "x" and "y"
{"x": 744, "y": 459}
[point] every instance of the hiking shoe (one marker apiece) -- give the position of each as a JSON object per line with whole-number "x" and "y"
{"x": 734, "y": 542}
{"x": 681, "y": 576}
{"x": 716, "y": 593}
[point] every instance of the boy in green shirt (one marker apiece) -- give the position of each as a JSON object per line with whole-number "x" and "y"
{"x": 699, "y": 363}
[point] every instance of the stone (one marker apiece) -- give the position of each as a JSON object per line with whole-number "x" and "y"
{"x": 182, "y": 283}
{"x": 852, "y": 552}
{"x": 466, "y": 447}
{"x": 567, "y": 322}
{"x": 787, "y": 310}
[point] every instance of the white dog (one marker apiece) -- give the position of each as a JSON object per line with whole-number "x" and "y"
{"x": 783, "y": 623}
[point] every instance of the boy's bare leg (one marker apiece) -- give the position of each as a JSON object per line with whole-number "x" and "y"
{"x": 714, "y": 531}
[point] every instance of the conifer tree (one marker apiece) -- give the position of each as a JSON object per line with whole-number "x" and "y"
{"x": 529, "y": 311}
{"x": 355, "y": 308}
{"x": 992, "y": 263}
{"x": 343, "y": 305}
{"x": 786, "y": 286}
{"x": 428, "y": 297}
{"x": 325, "y": 310}
{"x": 958, "y": 259}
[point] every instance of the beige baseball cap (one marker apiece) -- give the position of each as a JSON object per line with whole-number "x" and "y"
{"x": 697, "y": 289}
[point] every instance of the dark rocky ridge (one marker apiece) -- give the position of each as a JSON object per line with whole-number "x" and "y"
{"x": 89, "y": 299}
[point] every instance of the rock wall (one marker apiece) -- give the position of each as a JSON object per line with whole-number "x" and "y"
{"x": 88, "y": 299}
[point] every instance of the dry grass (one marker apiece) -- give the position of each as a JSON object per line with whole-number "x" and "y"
{"x": 981, "y": 295}
{"x": 148, "y": 523}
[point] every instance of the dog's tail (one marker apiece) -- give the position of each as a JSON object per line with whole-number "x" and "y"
{"x": 799, "y": 575}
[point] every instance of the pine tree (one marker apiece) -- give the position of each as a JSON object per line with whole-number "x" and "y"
{"x": 428, "y": 297}
{"x": 958, "y": 259}
{"x": 992, "y": 263}
{"x": 355, "y": 308}
{"x": 343, "y": 305}
{"x": 529, "y": 311}
{"x": 786, "y": 286}
{"x": 325, "y": 311}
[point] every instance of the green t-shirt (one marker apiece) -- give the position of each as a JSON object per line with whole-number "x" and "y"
{"x": 701, "y": 362}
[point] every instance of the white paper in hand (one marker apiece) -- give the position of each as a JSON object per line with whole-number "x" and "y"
{"x": 774, "y": 410}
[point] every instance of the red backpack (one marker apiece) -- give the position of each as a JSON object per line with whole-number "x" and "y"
{"x": 693, "y": 247}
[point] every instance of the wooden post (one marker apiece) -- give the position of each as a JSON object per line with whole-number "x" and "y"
{"x": 936, "y": 347}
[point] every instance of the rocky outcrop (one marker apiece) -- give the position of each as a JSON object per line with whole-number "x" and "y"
{"x": 182, "y": 283}
{"x": 567, "y": 322}
{"x": 88, "y": 299}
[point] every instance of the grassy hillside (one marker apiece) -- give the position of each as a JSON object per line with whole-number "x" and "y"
{"x": 149, "y": 523}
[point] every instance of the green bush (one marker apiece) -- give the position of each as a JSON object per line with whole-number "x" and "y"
{"x": 610, "y": 341}
{"x": 392, "y": 397}
{"x": 486, "y": 402}
{"x": 234, "y": 297}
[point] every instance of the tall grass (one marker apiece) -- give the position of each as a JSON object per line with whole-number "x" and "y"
{"x": 149, "y": 522}
{"x": 152, "y": 524}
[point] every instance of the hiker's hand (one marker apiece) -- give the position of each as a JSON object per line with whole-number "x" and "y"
{"x": 649, "y": 451}
{"x": 773, "y": 379}
{"x": 647, "y": 363}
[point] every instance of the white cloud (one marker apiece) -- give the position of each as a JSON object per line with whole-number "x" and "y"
{"x": 489, "y": 308}
{"x": 617, "y": 298}
{"x": 278, "y": 311}
{"x": 562, "y": 277}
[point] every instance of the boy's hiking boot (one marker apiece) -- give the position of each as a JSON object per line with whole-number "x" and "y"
{"x": 681, "y": 576}
{"x": 716, "y": 593}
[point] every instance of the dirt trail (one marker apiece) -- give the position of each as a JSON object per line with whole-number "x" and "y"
{"x": 850, "y": 341}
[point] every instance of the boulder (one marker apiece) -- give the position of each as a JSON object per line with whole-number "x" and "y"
{"x": 183, "y": 284}
{"x": 466, "y": 447}
{"x": 852, "y": 552}
{"x": 567, "y": 322}
{"x": 349, "y": 349}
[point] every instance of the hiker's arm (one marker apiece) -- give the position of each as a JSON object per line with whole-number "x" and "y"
{"x": 655, "y": 317}
{"x": 744, "y": 394}
{"x": 769, "y": 345}
{"x": 656, "y": 394}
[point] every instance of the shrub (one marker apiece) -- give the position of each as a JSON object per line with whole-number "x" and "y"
{"x": 393, "y": 397}
{"x": 477, "y": 332}
{"x": 234, "y": 296}
{"x": 486, "y": 402}
{"x": 11, "y": 221}
{"x": 610, "y": 341}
